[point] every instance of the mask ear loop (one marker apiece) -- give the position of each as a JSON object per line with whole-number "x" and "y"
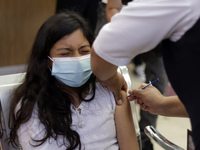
{"x": 50, "y": 58}
{"x": 52, "y": 61}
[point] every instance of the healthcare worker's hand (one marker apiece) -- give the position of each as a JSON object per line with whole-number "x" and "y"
{"x": 115, "y": 84}
{"x": 150, "y": 98}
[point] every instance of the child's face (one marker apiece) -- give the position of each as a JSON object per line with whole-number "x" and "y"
{"x": 73, "y": 45}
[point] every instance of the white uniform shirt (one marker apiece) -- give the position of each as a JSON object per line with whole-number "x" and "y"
{"x": 142, "y": 25}
{"x": 95, "y": 125}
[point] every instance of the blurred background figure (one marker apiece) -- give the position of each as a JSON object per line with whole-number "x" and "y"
{"x": 139, "y": 67}
{"x": 86, "y": 8}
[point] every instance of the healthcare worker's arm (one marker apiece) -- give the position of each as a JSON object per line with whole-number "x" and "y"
{"x": 107, "y": 75}
{"x": 126, "y": 134}
{"x": 150, "y": 99}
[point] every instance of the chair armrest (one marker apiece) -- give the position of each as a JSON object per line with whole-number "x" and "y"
{"x": 152, "y": 133}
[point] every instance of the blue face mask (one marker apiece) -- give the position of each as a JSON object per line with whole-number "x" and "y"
{"x": 72, "y": 71}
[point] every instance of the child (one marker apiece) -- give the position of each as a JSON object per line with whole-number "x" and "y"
{"x": 60, "y": 105}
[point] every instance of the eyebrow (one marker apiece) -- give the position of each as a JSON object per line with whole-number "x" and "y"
{"x": 69, "y": 49}
{"x": 64, "y": 49}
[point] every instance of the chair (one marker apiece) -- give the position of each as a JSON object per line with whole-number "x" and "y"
{"x": 11, "y": 78}
{"x": 8, "y": 84}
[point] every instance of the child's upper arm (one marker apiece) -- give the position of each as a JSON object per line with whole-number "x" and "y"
{"x": 126, "y": 134}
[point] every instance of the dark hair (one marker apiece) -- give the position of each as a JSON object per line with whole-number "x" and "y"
{"x": 40, "y": 89}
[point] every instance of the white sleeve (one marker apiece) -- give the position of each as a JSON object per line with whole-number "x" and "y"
{"x": 142, "y": 25}
{"x": 107, "y": 97}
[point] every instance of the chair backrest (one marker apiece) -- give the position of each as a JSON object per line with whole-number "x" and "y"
{"x": 11, "y": 78}
{"x": 7, "y": 84}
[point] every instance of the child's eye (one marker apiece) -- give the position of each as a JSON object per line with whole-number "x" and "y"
{"x": 64, "y": 54}
{"x": 85, "y": 51}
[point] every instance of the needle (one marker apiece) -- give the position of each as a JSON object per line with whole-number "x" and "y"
{"x": 148, "y": 85}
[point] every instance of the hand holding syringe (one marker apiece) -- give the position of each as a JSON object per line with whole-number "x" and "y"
{"x": 147, "y": 85}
